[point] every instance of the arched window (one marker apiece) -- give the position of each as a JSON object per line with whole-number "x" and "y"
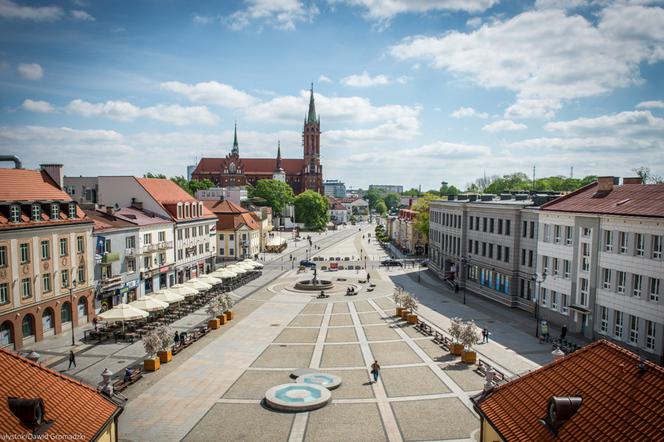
{"x": 65, "y": 312}
{"x": 179, "y": 210}
{"x": 6, "y": 334}
{"x": 28, "y": 326}
{"x": 186, "y": 210}
{"x": 48, "y": 320}
{"x": 200, "y": 209}
{"x": 82, "y": 309}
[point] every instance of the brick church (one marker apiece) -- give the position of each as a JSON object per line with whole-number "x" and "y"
{"x": 300, "y": 173}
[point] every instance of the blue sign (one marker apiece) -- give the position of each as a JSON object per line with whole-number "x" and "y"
{"x": 101, "y": 245}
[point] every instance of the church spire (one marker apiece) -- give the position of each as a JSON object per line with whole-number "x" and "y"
{"x": 236, "y": 148}
{"x": 312, "y": 107}
{"x": 278, "y": 167}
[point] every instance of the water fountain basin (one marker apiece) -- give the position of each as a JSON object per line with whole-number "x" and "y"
{"x": 297, "y": 397}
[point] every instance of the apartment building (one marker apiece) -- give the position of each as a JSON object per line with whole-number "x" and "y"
{"x": 487, "y": 245}
{"x": 46, "y": 266}
{"x": 601, "y": 248}
{"x": 238, "y": 230}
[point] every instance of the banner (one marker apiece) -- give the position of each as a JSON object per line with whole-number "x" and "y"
{"x": 101, "y": 245}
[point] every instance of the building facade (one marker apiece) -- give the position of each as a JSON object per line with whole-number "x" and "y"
{"x": 334, "y": 189}
{"x": 388, "y": 188}
{"x": 301, "y": 174}
{"x": 83, "y": 190}
{"x": 46, "y": 266}
{"x": 238, "y": 231}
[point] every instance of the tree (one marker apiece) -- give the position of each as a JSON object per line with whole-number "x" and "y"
{"x": 412, "y": 192}
{"x": 421, "y": 222}
{"x": 154, "y": 175}
{"x": 392, "y": 200}
{"x": 448, "y": 190}
{"x": 311, "y": 208}
{"x": 203, "y": 184}
{"x": 381, "y": 208}
{"x": 182, "y": 182}
{"x": 373, "y": 196}
{"x": 276, "y": 193}
{"x": 647, "y": 176}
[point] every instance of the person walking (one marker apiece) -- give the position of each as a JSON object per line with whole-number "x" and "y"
{"x": 95, "y": 322}
{"x": 485, "y": 335}
{"x": 176, "y": 339}
{"x": 563, "y": 332}
{"x": 375, "y": 371}
{"x": 368, "y": 277}
{"x": 72, "y": 359}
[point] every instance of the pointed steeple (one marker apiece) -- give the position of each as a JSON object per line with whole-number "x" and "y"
{"x": 312, "y": 107}
{"x": 278, "y": 167}
{"x": 236, "y": 148}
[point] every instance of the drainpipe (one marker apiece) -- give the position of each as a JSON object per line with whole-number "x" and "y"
{"x": 14, "y": 158}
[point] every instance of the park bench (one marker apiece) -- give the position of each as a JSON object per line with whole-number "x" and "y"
{"x": 122, "y": 383}
{"x": 483, "y": 367}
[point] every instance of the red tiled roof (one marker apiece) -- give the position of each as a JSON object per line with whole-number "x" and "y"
{"x": 104, "y": 221}
{"x": 29, "y": 185}
{"x": 255, "y": 166}
{"x": 230, "y": 216}
{"x": 628, "y": 199}
{"x": 139, "y": 217}
{"x": 167, "y": 193}
{"x": 619, "y": 401}
{"x": 75, "y": 408}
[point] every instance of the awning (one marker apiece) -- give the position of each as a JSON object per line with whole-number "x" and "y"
{"x": 580, "y": 309}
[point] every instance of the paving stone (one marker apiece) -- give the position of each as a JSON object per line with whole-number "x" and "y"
{"x": 306, "y": 321}
{"x": 435, "y": 351}
{"x": 354, "y": 384}
{"x": 340, "y": 307}
{"x": 254, "y": 383}
{"x": 350, "y": 422}
{"x": 434, "y": 419}
{"x": 409, "y": 329}
{"x": 342, "y": 355}
{"x": 394, "y": 353}
{"x": 341, "y": 334}
{"x": 301, "y": 335}
{"x": 340, "y": 320}
{"x": 386, "y": 304}
{"x": 371, "y": 318}
{"x": 380, "y": 333}
{"x": 465, "y": 376}
{"x": 285, "y": 356}
{"x": 317, "y": 309}
{"x": 411, "y": 381}
{"x": 363, "y": 306}
{"x": 237, "y": 422}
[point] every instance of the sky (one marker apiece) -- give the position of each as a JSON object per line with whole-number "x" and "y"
{"x": 411, "y": 92}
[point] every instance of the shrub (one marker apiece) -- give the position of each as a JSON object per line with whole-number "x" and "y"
{"x": 469, "y": 336}
{"x": 455, "y": 329}
{"x": 151, "y": 344}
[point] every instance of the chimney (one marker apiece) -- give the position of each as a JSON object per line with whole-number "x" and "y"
{"x": 632, "y": 180}
{"x": 55, "y": 171}
{"x": 605, "y": 184}
{"x": 109, "y": 210}
{"x": 136, "y": 204}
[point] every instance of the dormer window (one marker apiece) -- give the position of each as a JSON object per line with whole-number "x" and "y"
{"x": 194, "y": 210}
{"x": 200, "y": 209}
{"x": 72, "y": 210}
{"x": 36, "y": 212}
{"x": 15, "y": 213}
{"x": 186, "y": 210}
{"x": 55, "y": 211}
{"x": 179, "y": 210}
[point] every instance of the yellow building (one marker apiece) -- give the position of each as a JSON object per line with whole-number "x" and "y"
{"x": 238, "y": 230}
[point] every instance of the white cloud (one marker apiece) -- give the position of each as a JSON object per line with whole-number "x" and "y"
{"x": 211, "y": 92}
{"x": 30, "y": 71}
{"x": 365, "y": 80}
{"x": 324, "y": 79}
{"x": 125, "y": 111}
{"x": 547, "y": 57}
{"x": 463, "y": 112}
{"x": 474, "y": 22}
{"x": 81, "y": 15}
{"x": 659, "y": 104}
{"x": 39, "y": 106}
{"x": 279, "y": 14}
{"x": 560, "y": 4}
{"x": 503, "y": 126}
{"x": 11, "y": 10}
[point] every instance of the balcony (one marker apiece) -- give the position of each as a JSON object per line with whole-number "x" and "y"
{"x": 110, "y": 282}
{"x": 149, "y": 248}
{"x": 165, "y": 245}
{"x": 130, "y": 251}
{"x": 110, "y": 257}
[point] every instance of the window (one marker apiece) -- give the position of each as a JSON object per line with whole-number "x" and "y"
{"x": 650, "y": 335}
{"x": 186, "y": 210}
{"x": 583, "y": 290}
{"x": 499, "y": 252}
{"x": 637, "y": 285}
{"x": 622, "y": 240}
{"x": 554, "y": 300}
{"x": 586, "y": 231}
{"x": 606, "y": 278}
{"x": 523, "y": 257}
{"x": 186, "y": 233}
{"x": 622, "y": 277}
{"x": 506, "y": 255}
{"x": 470, "y": 223}
{"x": 500, "y": 226}
{"x": 568, "y": 235}
{"x": 3, "y": 256}
{"x": 55, "y": 211}
{"x": 484, "y": 224}
{"x": 231, "y": 237}
{"x": 131, "y": 265}
{"x": 200, "y": 230}
{"x": 80, "y": 245}
{"x": 657, "y": 246}
{"x": 4, "y": 293}
{"x": 36, "y": 212}
{"x": 194, "y": 210}
{"x": 200, "y": 248}
{"x": 477, "y": 245}
{"x": 45, "y": 249}
{"x": 524, "y": 229}
{"x": 231, "y": 252}
{"x": 64, "y": 278}
{"x": 654, "y": 289}
{"x": 608, "y": 241}
{"x": 180, "y": 234}
{"x": 72, "y": 210}
{"x": 46, "y": 283}
{"x": 81, "y": 274}
{"x": 162, "y": 259}
{"x": 207, "y": 246}
{"x": 130, "y": 242}
{"x": 545, "y": 264}
{"x": 532, "y": 229}
{"x": 604, "y": 319}
{"x": 180, "y": 254}
{"x": 633, "y": 329}
{"x": 640, "y": 244}
{"x": 179, "y": 211}
{"x": 26, "y": 288}
{"x": 564, "y": 299}
{"x": 25, "y": 253}
{"x": 618, "y": 324}
{"x": 147, "y": 238}
{"x": 14, "y": 213}
{"x": 543, "y": 290}
{"x": 193, "y": 232}
{"x": 477, "y": 223}
{"x": 162, "y": 236}
{"x": 530, "y": 258}
{"x": 63, "y": 247}
{"x": 585, "y": 253}
{"x": 556, "y": 233}
{"x": 483, "y": 249}
{"x": 566, "y": 268}
{"x": 147, "y": 262}
{"x": 508, "y": 227}
{"x": 555, "y": 266}
{"x": 547, "y": 232}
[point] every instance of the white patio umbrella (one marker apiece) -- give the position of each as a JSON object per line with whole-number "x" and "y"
{"x": 183, "y": 290}
{"x": 149, "y": 304}
{"x": 224, "y": 273}
{"x": 168, "y": 296}
{"x": 237, "y": 269}
{"x": 245, "y": 265}
{"x": 198, "y": 284}
{"x": 210, "y": 279}
{"x": 254, "y": 264}
{"x": 123, "y": 312}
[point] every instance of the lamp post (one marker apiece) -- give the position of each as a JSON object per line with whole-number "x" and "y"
{"x": 538, "y": 279}
{"x": 71, "y": 307}
{"x": 464, "y": 261}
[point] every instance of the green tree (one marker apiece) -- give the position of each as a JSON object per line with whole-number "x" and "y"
{"x": 276, "y": 193}
{"x": 421, "y": 222}
{"x": 373, "y": 196}
{"x": 154, "y": 175}
{"x": 391, "y": 200}
{"x": 182, "y": 182}
{"x": 381, "y": 207}
{"x": 311, "y": 208}
{"x": 647, "y": 176}
{"x": 203, "y": 184}
{"x": 412, "y": 192}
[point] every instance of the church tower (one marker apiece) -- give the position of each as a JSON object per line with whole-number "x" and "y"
{"x": 279, "y": 174}
{"x": 313, "y": 171}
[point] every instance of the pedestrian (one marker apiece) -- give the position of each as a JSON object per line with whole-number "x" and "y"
{"x": 94, "y": 322}
{"x": 176, "y": 339}
{"x": 563, "y": 332}
{"x": 368, "y": 277}
{"x": 375, "y": 371}
{"x": 127, "y": 375}
{"x": 485, "y": 335}
{"x": 72, "y": 359}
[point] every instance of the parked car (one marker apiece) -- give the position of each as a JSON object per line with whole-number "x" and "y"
{"x": 391, "y": 262}
{"x": 307, "y": 263}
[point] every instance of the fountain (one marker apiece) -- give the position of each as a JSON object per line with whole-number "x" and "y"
{"x": 326, "y": 380}
{"x": 297, "y": 397}
{"x": 314, "y": 283}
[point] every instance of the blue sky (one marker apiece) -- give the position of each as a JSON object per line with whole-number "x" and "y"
{"x": 412, "y": 92}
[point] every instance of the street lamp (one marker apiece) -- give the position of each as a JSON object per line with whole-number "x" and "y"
{"x": 464, "y": 261}
{"x": 71, "y": 307}
{"x": 538, "y": 279}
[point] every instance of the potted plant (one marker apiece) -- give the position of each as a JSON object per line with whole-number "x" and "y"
{"x": 405, "y": 302}
{"x": 165, "y": 336}
{"x": 397, "y": 297}
{"x": 469, "y": 337}
{"x": 455, "y": 329}
{"x": 411, "y": 303}
{"x": 228, "y": 303}
{"x": 151, "y": 344}
{"x": 214, "y": 311}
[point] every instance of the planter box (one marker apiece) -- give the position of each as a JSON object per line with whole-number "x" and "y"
{"x": 229, "y": 315}
{"x": 469, "y": 357}
{"x": 457, "y": 349}
{"x": 222, "y": 319}
{"x": 213, "y": 324}
{"x": 399, "y": 310}
{"x": 165, "y": 356}
{"x": 411, "y": 318}
{"x": 404, "y": 314}
{"x": 151, "y": 364}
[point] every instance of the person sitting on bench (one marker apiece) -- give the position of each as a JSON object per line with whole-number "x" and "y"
{"x": 127, "y": 375}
